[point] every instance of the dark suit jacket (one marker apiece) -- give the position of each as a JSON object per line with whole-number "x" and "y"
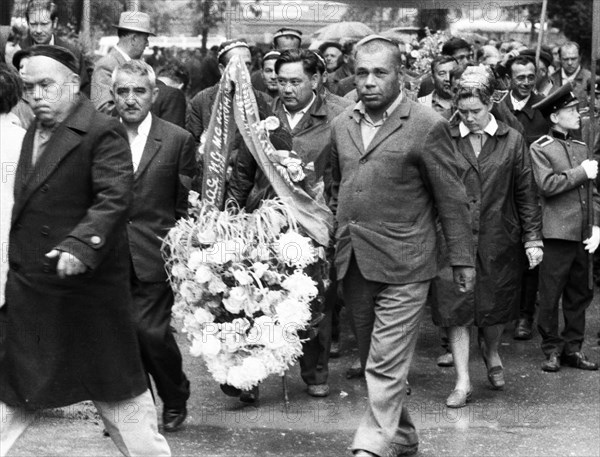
{"x": 84, "y": 67}
{"x": 71, "y": 339}
{"x": 579, "y": 85}
{"x": 161, "y": 185}
{"x": 386, "y": 198}
{"x": 532, "y": 120}
{"x": 170, "y": 104}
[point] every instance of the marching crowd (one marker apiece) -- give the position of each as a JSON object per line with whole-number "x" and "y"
{"x": 469, "y": 189}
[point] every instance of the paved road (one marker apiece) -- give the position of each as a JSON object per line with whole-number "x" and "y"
{"x": 538, "y": 414}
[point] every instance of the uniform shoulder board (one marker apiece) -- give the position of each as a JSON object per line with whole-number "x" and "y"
{"x": 579, "y": 142}
{"x": 544, "y": 141}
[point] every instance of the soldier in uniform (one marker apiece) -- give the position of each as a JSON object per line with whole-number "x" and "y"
{"x": 562, "y": 171}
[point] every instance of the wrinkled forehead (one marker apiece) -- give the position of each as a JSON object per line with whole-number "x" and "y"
{"x": 127, "y": 79}
{"x": 371, "y": 57}
{"x": 38, "y": 68}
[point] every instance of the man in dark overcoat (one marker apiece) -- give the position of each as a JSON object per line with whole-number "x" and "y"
{"x": 69, "y": 333}
{"x": 164, "y": 164}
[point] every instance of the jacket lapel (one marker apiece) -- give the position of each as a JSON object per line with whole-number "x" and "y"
{"x": 66, "y": 138}
{"x": 393, "y": 123}
{"x": 464, "y": 147}
{"x": 153, "y": 144}
{"x": 356, "y": 135}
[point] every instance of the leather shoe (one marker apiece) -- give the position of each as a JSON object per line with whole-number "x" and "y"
{"x": 578, "y": 360}
{"x": 173, "y": 418}
{"x": 334, "y": 351}
{"x": 523, "y": 330}
{"x": 402, "y": 450}
{"x": 318, "y": 390}
{"x": 250, "y": 396}
{"x": 496, "y": 377}
{"x": 355, "y": 371}
{"x": 445, "y": 360}
{"x": 552, "y": 365}
{"x": 459, "y": 398}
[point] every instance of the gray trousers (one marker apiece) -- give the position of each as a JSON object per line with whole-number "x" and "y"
{"x": 132, "y": 425}
{"x": 386, "y": 319}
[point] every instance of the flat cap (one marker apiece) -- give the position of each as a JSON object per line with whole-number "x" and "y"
{"x": 58, "y": 53}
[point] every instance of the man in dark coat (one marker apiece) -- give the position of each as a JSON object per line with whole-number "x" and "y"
{"x": 520, "y": 100}
{"x": 68, "y": 318}
{"x": 393, "y": 174}
{"x": 164, "y": 164}
{"x": 571, "y": 71}
{"x": 42, "y": 19}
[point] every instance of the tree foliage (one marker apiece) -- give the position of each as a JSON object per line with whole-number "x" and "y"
{"x": 573, "y": 18}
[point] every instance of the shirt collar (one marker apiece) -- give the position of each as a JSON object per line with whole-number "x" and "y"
{"x": 560, "y": 135}
{"x": 572, "y": 77}
{"x": 518, "y": 105}
{"x": 491, "y": 128}
{"x": 360, "y": 111}
{"x": 303, "y": 110}
{"x": 443, "y": 102}
{"x": 123, "y": 53}
{"x": 144, "y": 127}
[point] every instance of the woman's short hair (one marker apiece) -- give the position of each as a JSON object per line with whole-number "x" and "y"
{"x": 476, "y": 81}
{"x": 11, "y": 88}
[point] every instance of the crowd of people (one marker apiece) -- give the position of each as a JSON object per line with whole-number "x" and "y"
{"x": 469, "y": 188}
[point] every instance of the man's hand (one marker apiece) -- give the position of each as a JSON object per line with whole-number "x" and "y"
{"x": 68, "y": 264}
{"x": 535, "y": 256}
{"x": 591, "y": 168}
{"x": 464, "y": 278}
{"x": 591, "y": 244}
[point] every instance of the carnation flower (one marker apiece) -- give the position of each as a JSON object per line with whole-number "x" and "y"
{"x": 254, "y": 368}
{"x": 236, "y": 377}
{"x": 195, "y": 259}
{"x": 300, "y": 286}
{"x": 187, "y": 291}
{"x": 234, "y": 303}
{"x": 179, "y": 271}
{"x": 291, "y": 311}
{"x": 242, "y": 277}
{"x": 259, "y": 269}
{"x": 203, "y": 274}
{"x": 270, "y": 277}
{"x": 216, "y": 286}
{"x": 271, "y": 123}
{"x": 206, "y": 346}
{"x": 296, "y": 250}
{"x": 202, "y": 316}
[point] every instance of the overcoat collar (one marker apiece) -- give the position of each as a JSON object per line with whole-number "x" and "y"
{"x": 64, "y": 139}
{"x": 463, "y": 145}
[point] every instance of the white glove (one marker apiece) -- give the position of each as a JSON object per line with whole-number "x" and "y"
{"x": 535, "y": 256}
{"x": 591, "y": 168}
{"x": 591, "y": 244}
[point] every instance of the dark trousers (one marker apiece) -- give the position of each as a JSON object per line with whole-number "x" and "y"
{"x": 160, "y": 353}
{"x": 314, "y": 363}
{"x": 563, "y": 273}
{"x": 529, "y": 289}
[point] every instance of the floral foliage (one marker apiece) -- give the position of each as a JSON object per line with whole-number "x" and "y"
{"x": 240, "y": 288}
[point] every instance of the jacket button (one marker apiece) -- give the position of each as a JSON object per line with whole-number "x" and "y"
{"x": 46, "y": 268}
{"x": 96, "y": 240}
{"x": 45, "y": 230}
{"x": 45, "y": 188}
{"x": 363, "y": 161}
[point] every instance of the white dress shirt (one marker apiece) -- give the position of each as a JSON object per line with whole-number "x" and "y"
{"x": 518, "y": 105}
{"x": 139, "y": 142}
{"x": 294, "y": 118}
